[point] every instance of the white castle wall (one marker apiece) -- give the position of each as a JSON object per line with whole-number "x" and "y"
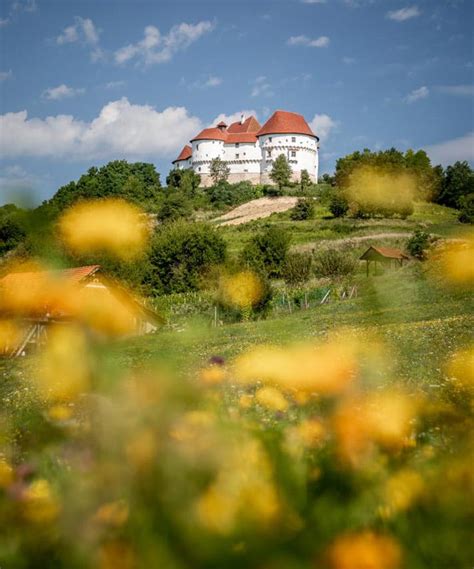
{"x": 300, "y": 150}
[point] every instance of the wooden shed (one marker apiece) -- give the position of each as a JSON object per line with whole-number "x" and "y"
{"x": 35, "y": 300}
{"x": 385, "y": 256}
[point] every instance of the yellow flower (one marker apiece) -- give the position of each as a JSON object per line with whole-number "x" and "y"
{"x": 116, "y": 555}
{"x": 112, "y": 514}
{"x": 212, "y": 375}
{"x": 271, "y": 398}
{"x": 245, "y": 401}
{"x": 6, "y": 473}
{"x": 402, "y": 489}
{"x": 142, "y": 449}
{"x": 59, "y": 413}
{"x": 364, "y": 550}
{"x": 10, "y": 334}
{"x": 112, "y": 226}
{"x": 242, "y": 290}
{"x": 39, "y": 503}
{"x": 461, "y": 367}
{"x": 306, "y": 435}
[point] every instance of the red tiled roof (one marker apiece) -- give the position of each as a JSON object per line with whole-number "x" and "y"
{"x": 283, "y": 122}
{"x": 211, "y": 134}
{"x": 186, "y": 153}
{"x": 250, "y": 124}
{"x": 243, "y": 137}
{"x": 72, "y": 276}
{"x": 222, "y": 123}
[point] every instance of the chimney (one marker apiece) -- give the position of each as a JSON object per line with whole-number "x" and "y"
{"x": 242, "y": 118}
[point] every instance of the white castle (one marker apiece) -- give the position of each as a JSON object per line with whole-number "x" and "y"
{"x": 250, "y": 149}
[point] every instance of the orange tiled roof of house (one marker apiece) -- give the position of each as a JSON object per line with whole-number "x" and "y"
{"x": 186, "y": 153}
{"x": 284, "y": 122}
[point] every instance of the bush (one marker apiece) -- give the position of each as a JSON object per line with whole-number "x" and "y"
{"x": 225, "y": 194}
{"x": 175, "y": 206}
{"x": 266, "y": 251}
{"x": 466, "y": 205}
{"x": 181, "y": 253}
{"x": 304, "y": 209}
{"x": 272, "y": 191}
{"x": 334, "y": 264}
{"x": 338, "y": 205}
{"x": 418, "y": 244}
{"x": 297, "y": 268}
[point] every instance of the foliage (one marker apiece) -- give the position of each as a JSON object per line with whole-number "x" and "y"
{"x": 13, "y": 226}
{"x": 304, "y": 209}
{"x": 334, "y": 264}
{"x": 137, "y": 182}
{"x": 458, "y": 182}
{"x": 466, "y": 205}
{"x": 266, "y": 251}
{"x": 281, "y": 172}
{"x": 338, "y": 205}
{"x": 327, "y": 179}
{"x": 305, "y": 180}
{"x": 181, "y": 253}
{"x": 185, "y": 180}
{"x": 225, "y": 194}
{"x": 418, "y": 244}
{"x": 297, "y": 268}
{"x": 175, "y": 206}
{"x": 219, "y": 171}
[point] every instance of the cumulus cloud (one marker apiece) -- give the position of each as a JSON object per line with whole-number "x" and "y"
{"x": 17, "y": 8}
{"x": 417, "y": 94}
{"x": 457, "y": 90}
{"x": 15, "y": 182}
{"x": 158, "y": 48}
{"x": 322, "y": 41}
{"x": 121, "y": 130}
{"x": 322, "y": 125}
{"x": 450, "y": 151}
{"x": 84, "y": 31}
{"x": 61, "y": 92}
{"x": 261, "y": 87}
{"x": 404, "y": 14}
{"x": 4, "y": 75}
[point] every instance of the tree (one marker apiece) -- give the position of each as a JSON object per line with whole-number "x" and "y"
{"x": 305, "y": 180}
{"x": 175, "y": 206}
{"x": 418, "y": 244}
{"x": 334, "y": 264}
{"x": 297, "y": 268}
{"x": 281, "y": 172}
{"x": 181, "y": 253}
{"x": 219, "y": 171}
{"x": 466, "y": 205}
{"x": 304, "y": 209}
{"x": 338, "y": 204}
{"x": 185, "y": 180}
{"x": 266, "y": 251}
{"x": 458, "y": 182}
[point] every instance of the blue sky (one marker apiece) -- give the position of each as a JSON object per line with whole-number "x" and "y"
{"x": 83, "y": 83}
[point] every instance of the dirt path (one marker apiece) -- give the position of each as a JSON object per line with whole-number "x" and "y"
{"x": 256, "y": 209}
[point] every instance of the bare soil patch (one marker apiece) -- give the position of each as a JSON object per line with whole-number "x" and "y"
{"x": 257, "y": 209}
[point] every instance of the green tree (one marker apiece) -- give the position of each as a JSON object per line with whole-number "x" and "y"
{"x": 418, "y": 244}
{"x": 185, "y": 180}
{"x": 175, "y": 206}
{"x": 305, "y": 180}
{"x": 466, "y": 205}
{"x": 334, "y": 264}
{"x": 281, "y": 172}
{"x": 297, "y": 268}
{"x": 338, "y": 204}
{"x": 219, "y": 171}
{"x": 458, "y": 182}
{"x": 181, "y": 253}
{"x": 304, "y": 209}
{"x": 266, "y": 251}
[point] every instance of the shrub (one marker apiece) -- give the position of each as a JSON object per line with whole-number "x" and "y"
{"x": 225, "y": 194}
{"x": 334, "y": 264}
{"x": 418, "y": 244}
{"x": 175, "y": 206}
{"x": 338, "y": 205}
{"x": 266, "y": 251}
{"x": 304, "y": 209}
{"x": 297, "y": 268}
{"x": 272, "y": 191}
{"x": 181, "y": 253}
{"x": 466, "y": 204}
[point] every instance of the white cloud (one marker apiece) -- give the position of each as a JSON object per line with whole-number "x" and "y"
{"x": 234, "y": 117}
{"x": 404, "y": 14}
{"x": 204, "y": 82}
{"x": 459, "y": 90}
{"x": 61, "y": 92}
{"x": 17, "y": 8}
{"x": 417, "y": 94}
{"x": 121, "y": 130}
{"x": 4, "y": 75}
{"x": 261, "y": 87}
{"x": 114, "y": 84}
{"x": 158, "y": 48}
{"x": 322, "y": 41}
{"x": 213, "y": 82}
{"x": 85, "y": 32}
{"x": 450, "y": 151}
{"x": 322, "y": 125}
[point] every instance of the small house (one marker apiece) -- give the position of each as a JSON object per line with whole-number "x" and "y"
{"x": 385, "y": 256}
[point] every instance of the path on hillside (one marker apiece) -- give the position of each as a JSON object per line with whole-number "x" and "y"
{"x": 256, "y": 209}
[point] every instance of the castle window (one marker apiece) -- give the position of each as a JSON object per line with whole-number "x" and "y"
{"x": 293, "y": 154}
{"x": 237, "y": 156}
{"x": 269, "y": 139}
{"x": 269, "y": 153}
{"x": 197, "y": 146}
{"x": 199, "y": 168}
{"x": 236, "y": 144}
{"x": 293, "y": 139}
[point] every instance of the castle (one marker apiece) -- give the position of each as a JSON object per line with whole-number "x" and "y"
{"x": 250, "y": 149}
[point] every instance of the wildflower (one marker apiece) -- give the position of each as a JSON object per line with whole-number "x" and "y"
{"x": 246, "y": 400}
{"x": 112, "y": 226}
{"x": 402, "y": 489}
{"x": 6, "y": 473}
{"x": 39, "y": 503}
{"x": 112, "y": 514}
{"x": 461, "y": 367}
{"x": 364, "y": 550}
{"x": 242, "y": 290}
{"x": 59, "y": 413}
{"x": 212, "y": 375}
{"x": 142, "y": 449}
{"x": 306, "y": 435}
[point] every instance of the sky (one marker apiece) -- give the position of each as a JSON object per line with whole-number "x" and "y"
{"x": 86, "y": 82}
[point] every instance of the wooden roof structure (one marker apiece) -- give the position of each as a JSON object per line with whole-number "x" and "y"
{"x": 383, "y": 253}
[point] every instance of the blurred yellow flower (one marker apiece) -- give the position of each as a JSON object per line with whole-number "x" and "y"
{"x": 327, "y": 369}
{"x": 461, "y": 367}
{"x": 212, "y": 375}
{"x": 64, "y": 368}
{"x": 271, "y": 398}
{"x": 6, "y": 473}
{"x": 246, "y": 401}
{"x": 402, "y": 489}
{"x": 142, "y": 449}
{"x": 112, "y": 226}
{"x": 116, "y": 554}
{"x": 364, "y": 550}
{"x": 112, "y": 514}
{"x": 306, "y": 435}
{"x": 59, "y": 413}
{"x": 39, "y": 503}
{"x": 456, "y": 260}
{"x": 242, "y": 290}
{"x": 10, "y": 334}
